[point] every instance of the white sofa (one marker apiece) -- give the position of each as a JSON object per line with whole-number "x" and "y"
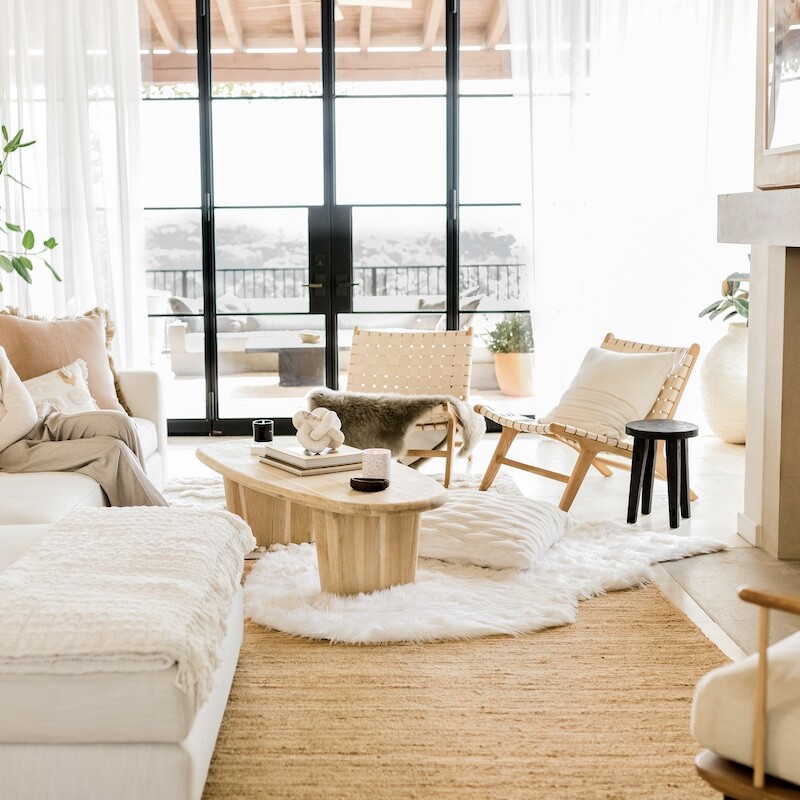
{"x": 45, "y": 497}
{"x": 120, "y": 736}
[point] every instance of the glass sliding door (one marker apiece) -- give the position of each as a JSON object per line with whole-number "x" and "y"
{"x": 303, "y": 176}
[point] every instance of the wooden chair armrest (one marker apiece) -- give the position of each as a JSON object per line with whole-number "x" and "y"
{"x": 780, "y": 602}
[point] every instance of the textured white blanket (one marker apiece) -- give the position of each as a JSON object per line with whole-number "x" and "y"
{"x": 125, "y": 589}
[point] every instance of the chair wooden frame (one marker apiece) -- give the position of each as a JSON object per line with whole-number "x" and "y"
{"x": 593, "y": 448}
{"x": 416, "y": 363}
{"x": 736, "y": 781}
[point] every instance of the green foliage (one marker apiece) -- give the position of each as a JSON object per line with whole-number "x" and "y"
{"x": 511, "y": 335}
{"x": 17, "y": 252}
{"x": 735, "y": 300}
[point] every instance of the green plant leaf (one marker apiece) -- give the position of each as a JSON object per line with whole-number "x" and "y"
{"x": 742, "y": 306}
{"x": 5, "y": 263}
{"x": 26, "y": 144}
{"x": 12, "y": 227}
{"x": 739, "y": 276}
{"x": 5, "y": 132}
{"x": 50, "y": 243}
{"x": 720, "y": 308}
{"x": 709, "y": 309}
{"x": 23, "y": 185}
{"x": 55, "y": 274}
{"x": 26, "y": 262}
{"x": 28, "y": 240}
{"x": 21, "y": 270}
{"x": 1, "y": 287}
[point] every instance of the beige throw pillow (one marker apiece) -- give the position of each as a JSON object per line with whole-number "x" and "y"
{"x": 66, "y": 389}
{"x": 36, "y": 346}
{"x": 612, "y": 389}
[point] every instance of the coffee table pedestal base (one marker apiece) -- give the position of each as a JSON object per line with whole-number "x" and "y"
{"x": 365, "y": 554}
{"x": 273, "y": 520}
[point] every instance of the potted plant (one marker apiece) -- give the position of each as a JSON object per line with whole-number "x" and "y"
{"x": 511, "y": 341}
{"x": 723, "y": 372}
{"x": 19, "y": 249}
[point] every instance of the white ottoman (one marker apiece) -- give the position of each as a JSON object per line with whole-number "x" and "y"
{"x": 78, "y": 734}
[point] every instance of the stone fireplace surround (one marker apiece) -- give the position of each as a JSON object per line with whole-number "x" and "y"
{"x": 770, "y": 222}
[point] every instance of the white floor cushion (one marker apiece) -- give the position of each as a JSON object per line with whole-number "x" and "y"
{"x": 491, "y": 530}
{"x": 724, "y": 706}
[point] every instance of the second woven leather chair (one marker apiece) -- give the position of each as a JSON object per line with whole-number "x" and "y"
{"x": 593, "y": 447}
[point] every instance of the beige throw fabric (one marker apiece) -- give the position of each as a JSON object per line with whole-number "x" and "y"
{"x": 101, "y": 444}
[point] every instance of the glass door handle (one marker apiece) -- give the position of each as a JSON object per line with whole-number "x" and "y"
{"x": 343, "y": 288}
{"x": 312, "y": 285}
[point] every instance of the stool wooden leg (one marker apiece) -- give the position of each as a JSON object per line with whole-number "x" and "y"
{"x": 637, "y": 466}
{"x": 649, "y": 476}
{"x": 673, "y": 481}
{"x": 686, "y": 510}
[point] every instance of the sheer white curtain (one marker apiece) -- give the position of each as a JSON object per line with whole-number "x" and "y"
{"x": 70, "y": 76}
{"x": 642, "y": 113}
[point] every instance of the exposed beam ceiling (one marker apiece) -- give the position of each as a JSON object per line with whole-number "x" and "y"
{"x": 232, "y": 23}
{"x": 161, "y": 15}
{"x": 298, "y": 24}
{"x": 430, "y": 28}
{"x": 497, "y": 24}
{"x": 365, "y": 27}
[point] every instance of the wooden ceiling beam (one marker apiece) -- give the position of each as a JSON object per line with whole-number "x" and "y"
{"x": 365, "y": 27}
{"x": 430, "y": 28}
{"x": 497, "y": 24}
{"x": 232, "y": 23}
{"x": 298, "y": 24}
{"x": 161, "y": 14}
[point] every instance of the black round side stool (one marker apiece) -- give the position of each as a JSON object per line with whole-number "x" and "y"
{"x": 646, "y": 434}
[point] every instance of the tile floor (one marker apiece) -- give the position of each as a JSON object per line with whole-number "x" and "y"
{"x": 703, "y": 587}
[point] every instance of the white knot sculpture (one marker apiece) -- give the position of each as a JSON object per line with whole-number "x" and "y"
{"x": 318, "y": 429}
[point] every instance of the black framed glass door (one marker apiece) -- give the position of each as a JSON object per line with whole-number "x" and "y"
{"x": 327, "y": 195}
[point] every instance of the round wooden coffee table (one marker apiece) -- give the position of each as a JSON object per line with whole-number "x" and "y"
{"x": 365, "y": 541}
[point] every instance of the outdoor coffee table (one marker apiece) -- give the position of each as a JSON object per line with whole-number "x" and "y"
{"x": 365, "y": 540}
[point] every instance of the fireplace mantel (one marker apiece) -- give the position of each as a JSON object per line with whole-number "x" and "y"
{"x": 770, "y": 222}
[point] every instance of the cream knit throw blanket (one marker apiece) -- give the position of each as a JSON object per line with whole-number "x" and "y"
{"x": 122, "y": 590}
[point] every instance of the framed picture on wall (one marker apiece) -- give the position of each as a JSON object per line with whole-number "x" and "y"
{"x": 777, "y": 162}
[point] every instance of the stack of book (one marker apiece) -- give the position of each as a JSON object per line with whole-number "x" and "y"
{"x": 297, "y": 460}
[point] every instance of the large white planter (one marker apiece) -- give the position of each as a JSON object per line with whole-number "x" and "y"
{"x": 723, "y": 385}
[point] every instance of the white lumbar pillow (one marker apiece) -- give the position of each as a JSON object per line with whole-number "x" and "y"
{"x": 491, "y": 530}
{"x": 612, "y": 389}
{"x": 66, "y": 389}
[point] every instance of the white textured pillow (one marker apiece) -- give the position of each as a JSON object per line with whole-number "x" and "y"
{"x": 491, "y": 530}
{"x": 724, "y": 707}
{"x": 66, "y": 389}
{"x": 612, "y": 389}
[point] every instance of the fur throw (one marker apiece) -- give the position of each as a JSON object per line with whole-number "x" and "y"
{"x": 384, "y": 420}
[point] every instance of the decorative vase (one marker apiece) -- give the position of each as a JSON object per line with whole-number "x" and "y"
{"x": 723, "y": 385}
{"x": 514, "y": 372}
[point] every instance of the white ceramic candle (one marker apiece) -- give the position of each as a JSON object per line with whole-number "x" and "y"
{"x": 376, "y": 462}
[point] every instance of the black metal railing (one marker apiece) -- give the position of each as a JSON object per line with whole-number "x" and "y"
{"x": 499, "y": 281}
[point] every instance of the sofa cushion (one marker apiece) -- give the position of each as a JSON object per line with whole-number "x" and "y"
{"x": 723, "y": 710}
{"x": 45, "y": 497}
{"x": 148, "y": 436}
{"x": 36, "y": 346}
{"x": 66, "y": 389}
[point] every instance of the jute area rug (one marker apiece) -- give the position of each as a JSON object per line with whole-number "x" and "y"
{"x": 597, "y": 709}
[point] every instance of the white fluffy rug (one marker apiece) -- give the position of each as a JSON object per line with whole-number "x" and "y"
{"x": 449, "y": 601}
